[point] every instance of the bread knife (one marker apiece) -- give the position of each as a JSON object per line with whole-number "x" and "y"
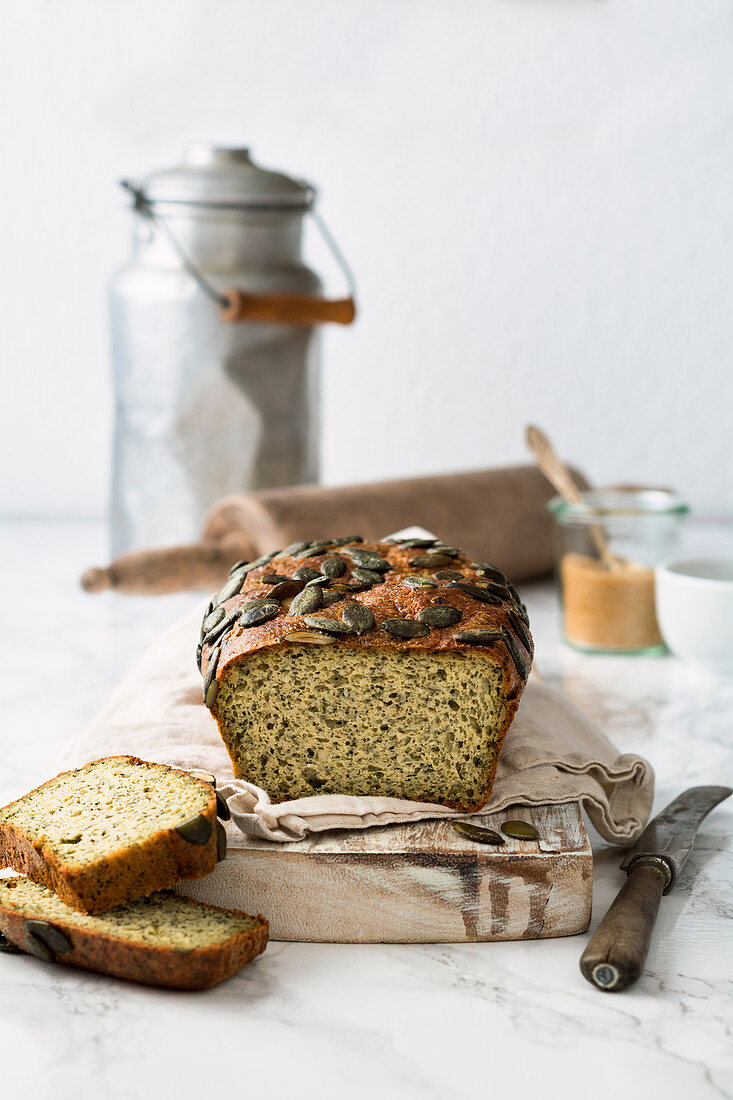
{"x": 614, "y": 958}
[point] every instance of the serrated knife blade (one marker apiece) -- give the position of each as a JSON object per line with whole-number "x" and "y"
{"x": 615, "y": 956}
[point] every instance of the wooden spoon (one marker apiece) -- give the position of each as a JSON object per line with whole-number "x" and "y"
{"x": 560, "y": 478}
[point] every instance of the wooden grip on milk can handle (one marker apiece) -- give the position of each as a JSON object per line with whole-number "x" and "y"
{"x": 286, "y": 309}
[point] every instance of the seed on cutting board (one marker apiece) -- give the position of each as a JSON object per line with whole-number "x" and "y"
{"x": 310, "y": 637}
{"x": 477, "y": 832}
{"x": 222, "y": 810}
{"x": 305, "y": 573}
{"x": 8, "y": 947}
{"x": 260, "y": 613}
{"x": 427, "y": 561}
{"x": 478, "y": 637}
{"x": 440, "y": 615}
{"x": 310, "y": 599}
{"x": 404, "y": 628}
{"x": 51, "y": 936}
{"x": 367, "y": 559}
{"x": 367, "y": 576}
{"x": 358, "y": 617}
{"x": 415, "y": 581}
{"x": 333, "y": 566}
{"x": 195, "y": 831}
{"x": 520, "y": 830}
{"x": 231, "y": 588}
{"x": 482, "y": 594}
{"x": 209, "y": 681}
{"x": 329, "y": 626}
{"x": 283, "y": 590}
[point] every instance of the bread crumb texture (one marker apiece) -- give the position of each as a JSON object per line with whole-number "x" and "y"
{"x": 304, "y": 720}
{"x": 93, "y": 813}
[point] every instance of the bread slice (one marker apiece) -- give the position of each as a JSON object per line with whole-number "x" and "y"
{"x": 164, "y": 939}
{"x": 111, "y": 831}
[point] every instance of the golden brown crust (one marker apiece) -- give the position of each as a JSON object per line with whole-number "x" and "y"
{"x": 505, "y": 617}
{"x": 200, "y": 968}
{"x": 157, "y": 863}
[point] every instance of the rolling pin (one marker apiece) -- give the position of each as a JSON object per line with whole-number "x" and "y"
{"x": 498, "y": 516}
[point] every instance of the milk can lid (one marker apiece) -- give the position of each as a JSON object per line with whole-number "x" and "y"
{"x": 216, "y": 175}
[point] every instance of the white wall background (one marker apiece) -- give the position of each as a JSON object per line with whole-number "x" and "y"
{"x": 536, "y": 196}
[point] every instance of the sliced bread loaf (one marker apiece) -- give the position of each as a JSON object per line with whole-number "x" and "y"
{"x": 111, "y": 831}
{"x": 163, "y": 939}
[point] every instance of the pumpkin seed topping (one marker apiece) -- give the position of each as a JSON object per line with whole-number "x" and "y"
{"x": 328, "y": 626}
{"x": 367, "y": 576}
{"x": 515, "y": 653}
{"x": 478, "y": 637}
{"x": 447, "y": 551}
{"x": 367, "y": 559}
{"x": 231, "y": 588}
{"x": 35, "y": 946}
{"x": 310, "y": 599}
{"x": 209, "y": 681}
{"x": 333, "y": 566}
{"x": 404, "y": 628}
{"x": 311, "y": 550}
{"x": 50, "y": 936}
{"x": 220, "y": 630}
{"x": 222, "y": 809}
{"x": 8, "y": 947}
{"x": 429, "y": 560}
{"x": 413, "y": 581}
{"x": 520, "y": 629}
{"x": 520, "y": 830}
{"x": 320, "y": 579}
{"x": 221, "y": 841}
{"x": 358, "y": 617}
{"x": 273, "y": 578}
{"x": 294, "y": 548}
{"x": 489, "y": 571}
{"x": 195, "y": 831}
{"x": 309, "y": 636}
{"x": 344, "y": 540}
{"x": 448, "y": 575}
{"x": 482, "y": 594}
{"x": 259, "y": 614}
{"x": 211, "y": 620}
{"x": 199, "y": 654}
{"x": 440, "y": 615}
{"x": 305, "y": 573}
{"x": 479, "y": 833}
{"x": 330, "y": 598}
{"x": 415, "y": 544}
{"x": 285, "y": 589}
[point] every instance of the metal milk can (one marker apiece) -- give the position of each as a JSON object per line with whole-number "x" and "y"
{"x": 214, "y": 344}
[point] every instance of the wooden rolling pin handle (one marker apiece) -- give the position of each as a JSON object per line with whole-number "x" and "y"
{"x": 286, "y": 309}
{"x": 168, "y": 569}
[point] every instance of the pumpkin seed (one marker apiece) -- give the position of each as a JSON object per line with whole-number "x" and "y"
{"x": 482, "y": 594}
{"x": 489, "y": 571}
{"x": 210, "y": 672}
{"x": 273, "y": 578}
{"x": 283, "y": 590}
{"x": 231, "y": 588}
{"x": 345, "y": 539}
{"x": 199, "y": 654}
{"x": 358, "y": 617}
{"x": 310, "y": 599}
{"x": 427, "y": 561}
{"x": 221, "y": 841}
{"x": 321, "y": 580}
{"x": 333, "y": 566}
{"x": 448, "y": 575}
{"x": 211, "y": 694}
{"x": 418, "y": 582}
{"x": 237, "y": 566}
{"x": 440, "y": 615}
{"x": 222, "y": 810}
{"x": 207, "y": 777}
{"x": 305, "y": 573}
{"x": 310, "y": 550}
{"x": 212, "y": 619}
{"x": 195, "y": 831}
{"x": 448, "y": 551}
{"x": 50, "y": 936}
{"x": 367, "y": 559}
{"x": 257, "y": 601}
{"x": 515, "y": 653}
{"x": 214, "y": 635}
{"x": 294, "y": 548}
{"x": 261, "y": 613}
{"x": 367, "y": 576}
{"x": 8, "y": 947}
{"x": 478, "y": 637}
{"x": 416, "y": 544}
{"x": 519, "y": 628}
{"x": 404, "y": 628}
{"x": 37, "y": 947}
{"x": 330, "y": 598}
{"x": 520, "y": 830}
{"x": 309, "y": 636}
{"x": 328, "y": 626}
{"x": 478, "y": 833}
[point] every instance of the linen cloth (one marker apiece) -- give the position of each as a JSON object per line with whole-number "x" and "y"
{"x": 552, "y": 754}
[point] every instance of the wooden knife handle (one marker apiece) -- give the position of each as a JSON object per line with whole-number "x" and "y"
{"x": 286, "y": 309}
{"x": 615, "y": 956}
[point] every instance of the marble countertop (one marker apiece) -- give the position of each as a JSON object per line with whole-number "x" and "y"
{"x": 422, "y": 1021}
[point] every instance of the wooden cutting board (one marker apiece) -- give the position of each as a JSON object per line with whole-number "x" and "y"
{"x": 418, "y": 883}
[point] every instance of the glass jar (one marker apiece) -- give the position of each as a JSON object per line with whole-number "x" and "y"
{"x": 606, "y": 548}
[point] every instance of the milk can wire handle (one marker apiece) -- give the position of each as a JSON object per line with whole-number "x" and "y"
{"x": 279, "y": 308}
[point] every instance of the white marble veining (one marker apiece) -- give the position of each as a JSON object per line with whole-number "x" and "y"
{"x": 316, "y": 1020}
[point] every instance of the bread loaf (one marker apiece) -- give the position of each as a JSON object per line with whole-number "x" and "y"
{"x": 391, "y": 668}
{"x": 111, "y": 831}
{"x": 164, "y": 939}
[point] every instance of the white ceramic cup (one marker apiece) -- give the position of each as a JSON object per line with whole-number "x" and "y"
{"x": 694, "y": 600}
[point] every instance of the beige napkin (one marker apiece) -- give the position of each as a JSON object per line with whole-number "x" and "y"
{"x": 552, "y": 754}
